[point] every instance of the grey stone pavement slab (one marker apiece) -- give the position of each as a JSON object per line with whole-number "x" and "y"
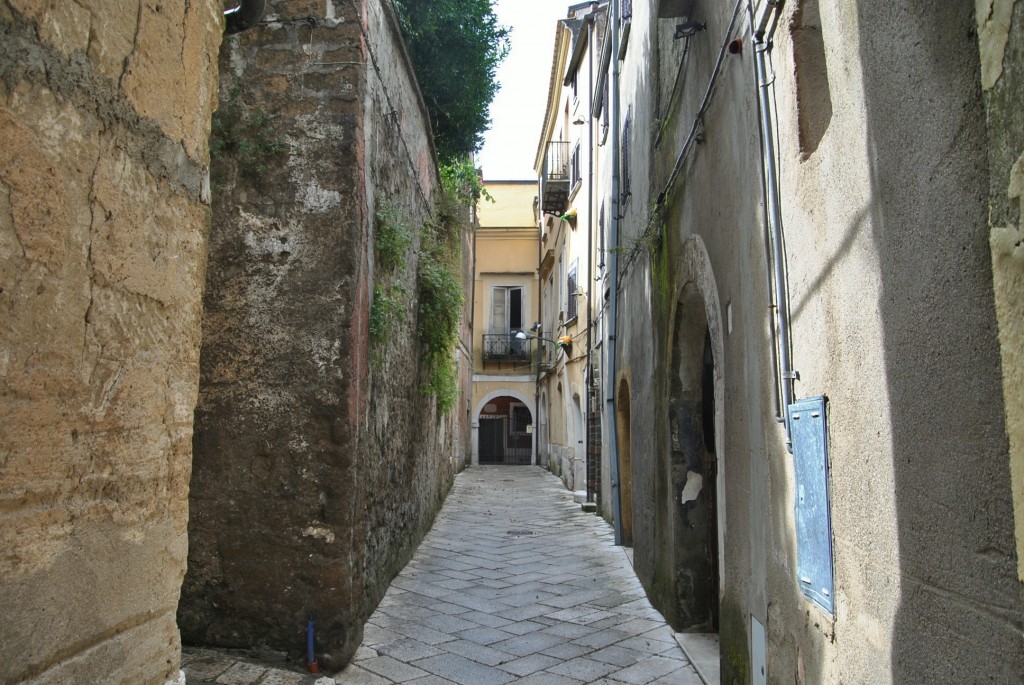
{"x": 514, "y": 583}
{"x": 533, "y": 590}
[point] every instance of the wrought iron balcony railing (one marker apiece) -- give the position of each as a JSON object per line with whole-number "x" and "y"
{"x": 506, "y": 347}
{"x": 554, "y": 181}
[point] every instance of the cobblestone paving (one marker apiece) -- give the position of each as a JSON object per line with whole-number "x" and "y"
{"x": 515, "y": 583}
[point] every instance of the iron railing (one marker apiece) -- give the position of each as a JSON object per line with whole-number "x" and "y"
{"x": 556, "y": 161}
{"x": 554, "y": 180}
{"x": 506, "y": 347}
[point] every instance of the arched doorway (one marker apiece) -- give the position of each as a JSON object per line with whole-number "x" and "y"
{"x": 623, "y": 403}
{"x": 505, "y": 434}
{"x": 694, "y": 467}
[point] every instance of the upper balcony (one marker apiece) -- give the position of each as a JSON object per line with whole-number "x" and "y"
{"x": 507, "y": 348}
{"x": 554, "y": 180}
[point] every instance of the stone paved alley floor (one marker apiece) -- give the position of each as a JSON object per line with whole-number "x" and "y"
{"x": 514, "y": 583}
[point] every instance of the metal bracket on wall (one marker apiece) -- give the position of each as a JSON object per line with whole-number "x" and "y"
{"x": 812, "y": 506}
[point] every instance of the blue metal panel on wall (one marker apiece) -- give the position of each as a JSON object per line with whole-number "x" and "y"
{"x": 813, "y": 517}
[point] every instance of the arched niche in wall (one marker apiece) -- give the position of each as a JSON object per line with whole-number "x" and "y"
{"x": 695, "y": 423}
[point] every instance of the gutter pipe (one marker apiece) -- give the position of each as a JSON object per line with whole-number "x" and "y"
{"x": 591, "y": 494}
{"x": 244, "y": 16}
{"x": 613, "y": 268}
{"x": 773, "y": 211}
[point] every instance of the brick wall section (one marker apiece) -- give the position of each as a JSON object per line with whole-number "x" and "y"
{"x": 316, "y": 470}
{"x": 104, "y": 118}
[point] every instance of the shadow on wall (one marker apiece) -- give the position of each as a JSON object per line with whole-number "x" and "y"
{"x": 623, "y": 406}
{"x": 959, "y": 615}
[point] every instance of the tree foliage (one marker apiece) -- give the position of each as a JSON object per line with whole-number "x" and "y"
{"x": 455, "y": 47}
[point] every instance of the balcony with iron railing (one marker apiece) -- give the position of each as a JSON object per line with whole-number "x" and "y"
{"x": 555, "y": 180}
{"x": 507, "y": 348}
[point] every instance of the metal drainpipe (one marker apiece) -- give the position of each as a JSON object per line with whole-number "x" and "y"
{"x": 591, "y": 495}
{"x": 774, "y": 218}
{"x": 540, "y": 322}
{"x": 613, "y": 267}
{"x": 243, "y": 17}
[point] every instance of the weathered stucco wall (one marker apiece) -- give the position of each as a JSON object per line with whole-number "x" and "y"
{"x": 1000, "y": 32}
{"x": 318, "y": 464}
{"x": 884, "y": 154}
{"x": 104, "y": 120}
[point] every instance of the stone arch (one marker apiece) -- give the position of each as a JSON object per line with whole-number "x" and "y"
{"x": 478, "y": 409}
{"x": 696, "y": 425}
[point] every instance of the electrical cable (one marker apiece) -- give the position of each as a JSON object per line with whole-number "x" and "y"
{"x": 391, "y": 108}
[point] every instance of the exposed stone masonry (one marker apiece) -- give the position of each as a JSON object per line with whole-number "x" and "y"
{"x": 318, "y": 464}
{"x": 104, "y": 118}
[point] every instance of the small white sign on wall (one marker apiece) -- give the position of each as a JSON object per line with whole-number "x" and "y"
{"x": 758, "y": 656}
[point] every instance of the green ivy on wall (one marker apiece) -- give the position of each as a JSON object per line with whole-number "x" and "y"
{"x": 246, "y": 135}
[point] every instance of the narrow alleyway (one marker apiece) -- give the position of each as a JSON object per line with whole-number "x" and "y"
{"x": 514, "y": 583}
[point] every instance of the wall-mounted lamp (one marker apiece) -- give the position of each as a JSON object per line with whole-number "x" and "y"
{"x": 688, "y": 28}
{"x": 564, "y": 342}
{"x": 579, "y": 121}
{"x": 246, "y": 15}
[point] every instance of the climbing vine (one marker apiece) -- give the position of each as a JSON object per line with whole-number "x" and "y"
{"x": 392, "y": 237}
{"x": 439, "y": 278}
{"x": 388, "y": 309}
{"x": 440, "y": 282}
{"x": 247, "y": 135}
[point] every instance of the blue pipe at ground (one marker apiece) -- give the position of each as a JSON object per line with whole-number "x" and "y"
{"x": 309, "y": 642}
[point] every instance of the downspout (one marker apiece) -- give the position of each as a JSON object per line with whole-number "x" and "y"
{"x": 539, "y": 218}
{"x": 613, "y": 268}
{"x": 244, "y": 16}
{"x": 591, "y": 494}
{"x": 773, "y": 211}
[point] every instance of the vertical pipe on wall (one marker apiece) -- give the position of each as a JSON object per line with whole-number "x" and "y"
{"x": 613, "y": 269}
{"x": 773, "y": 205}
{"x": 538, "y": 217}
{"x": 590, "y": 252}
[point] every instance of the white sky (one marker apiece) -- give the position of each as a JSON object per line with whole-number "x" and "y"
{"x": 517, "y": 110}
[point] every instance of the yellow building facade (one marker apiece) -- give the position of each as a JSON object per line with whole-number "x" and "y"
{"x": 505, "y": 309}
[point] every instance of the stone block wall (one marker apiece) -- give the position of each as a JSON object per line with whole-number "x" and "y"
{"x": 104, "y": 119}
{"x": 318, "y": 465}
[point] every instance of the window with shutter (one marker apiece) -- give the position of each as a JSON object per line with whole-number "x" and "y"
{"x": 570, "y": 304}
{"x": 576, "y": 175}
{"x": 506, "y": 309}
